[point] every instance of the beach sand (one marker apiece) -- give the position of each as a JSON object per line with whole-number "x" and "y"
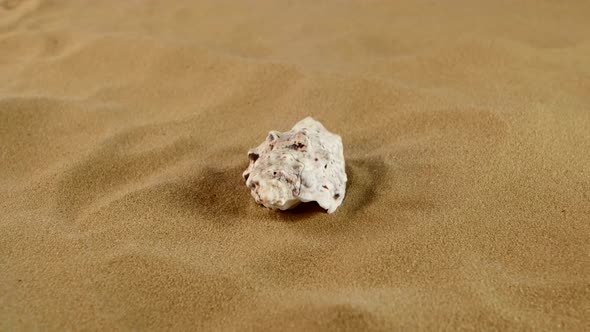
{"x": 124, "y": 127}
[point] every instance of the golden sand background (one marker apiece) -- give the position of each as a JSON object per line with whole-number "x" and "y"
{"x": 124, "y": 127}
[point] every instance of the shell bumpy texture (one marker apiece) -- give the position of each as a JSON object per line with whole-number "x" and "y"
{"x": 304, "y": 164}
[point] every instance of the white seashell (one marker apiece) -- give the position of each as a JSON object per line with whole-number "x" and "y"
{"x": 304, "y": 164}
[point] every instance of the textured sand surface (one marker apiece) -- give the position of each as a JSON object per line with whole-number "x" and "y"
{"x": 124, "y": 127}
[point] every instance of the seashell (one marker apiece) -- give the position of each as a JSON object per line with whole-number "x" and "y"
{"x": 303, "y": 164}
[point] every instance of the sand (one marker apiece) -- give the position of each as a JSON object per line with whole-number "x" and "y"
{"x": 124, "y": 127}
